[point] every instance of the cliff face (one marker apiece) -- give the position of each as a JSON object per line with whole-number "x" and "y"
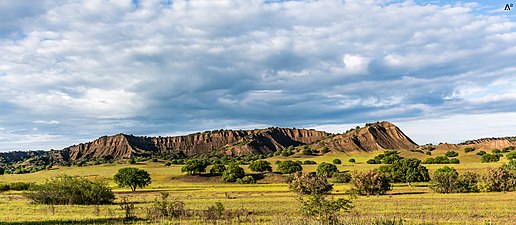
{"x": 230, "y": 142}
{"x": 383, "y": 135}
{"x": 490, "y": 143}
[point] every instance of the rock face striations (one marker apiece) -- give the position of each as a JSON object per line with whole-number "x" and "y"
{"x": 380, "y": 135}
{"x": 229, "y": 142}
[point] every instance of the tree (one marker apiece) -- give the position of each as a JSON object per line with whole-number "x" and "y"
{"x": 499, "y": 179}
{"x": 260, "y": 166}
{"x": 445, "y": 180}
{"x": 307, "y": 151}
{"x": 232, "y": 173}
{"x": 324, "y": 210}
{"x": 336, "y": 161}
{"x": 194, "y": 166}
{"x": 487, "y": 158}
{"x": 132, "y": 177}
{"x": 370, "y": 183}
{"x": 451, "y": 154}
{"x": 326, "y": 169}
{"x": 217, "y": 169}
{"x": 352, "y": 160}
{"x": 309, "y": 183}
{"x": 325, "y": 150}
{"x": 406, "y": 170}
{"x": 289, "y": 166}
{"x": 511, "y": 155}
{"x": 1, "y": 171}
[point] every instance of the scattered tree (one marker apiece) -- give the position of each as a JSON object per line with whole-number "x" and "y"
{"x": 336, "y": 161}
{"x": 260, "y": 166}
{"x": 370, "y": 183}
{"x": 217, "y": 169}
{"x": 194, "y": 166}
{"x": 289, "y": 166}
{"x": 488, "y": 158}
{"x": 309, "y": 183}
{"x": 326, "y": 169}
{"x": 232, "y": 173}
{"x": 352, "y": 160}
{"x": 451, "y": 154}
{"x": 445, "y": 180}
{"x": 405, "y": 170}
{"x": 468, "y": 149}
{"x": 132, "y": 177}
{"x": 341, "y": 177}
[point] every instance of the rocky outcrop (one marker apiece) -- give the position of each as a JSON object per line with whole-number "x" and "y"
{"x": 490, "y": 143}
{"x": 376, "y": 136}
{"x": 230, "y": 142}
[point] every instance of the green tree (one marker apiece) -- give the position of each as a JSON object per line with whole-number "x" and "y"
{"x": 322, "y": 209}
{"x": 406, "y": 170}
{"x": 499, "y": 179}
{"x": 487, "y": 158}
{"x": 289, "y": 166}
{"x": 511, "y": 155}
{"x": 451, "y": 154}
{"x": 326, "y": 169}
{"x": 132, "y": 177}
{"x": 445, "y": 180}
{"x": 194, "y": 166}
{"x": 232, "y": 173}
{"x": 260, "y": 166}
{"x": 352, "y": 160}
{"x": 309, "y": 183}
{"x": 217, "y": 169}
{"x": 337, "y": 161}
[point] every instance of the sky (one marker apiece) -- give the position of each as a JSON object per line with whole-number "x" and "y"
{"x": 71, "y": 71}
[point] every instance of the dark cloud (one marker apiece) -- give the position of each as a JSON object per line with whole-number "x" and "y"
{"x": 77, "y": 70}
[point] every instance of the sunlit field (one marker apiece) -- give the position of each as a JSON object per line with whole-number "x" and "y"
{"x": 269, "y": 201}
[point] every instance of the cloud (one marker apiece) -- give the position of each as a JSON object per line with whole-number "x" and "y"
{"x": 155, "y": 67}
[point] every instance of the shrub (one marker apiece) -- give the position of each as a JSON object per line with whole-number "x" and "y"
{"x": 307, "y": 151}
{"x": 352, "y": 161}
{"x": 511, "y": 165}
{"x": 373, "y": 161}
{"x": 511, "y": 155}
{"x": 168, "y": 164}
{"x": 232, "y": 173}
{"x": 454, "y": 161}
{"x": 217, "y": 169}
{"x": 20, "y": 186}
{"x": 323, "y": 210}
{"x": 508, "y": 148}
{"x": 289, "y": 166}
{"x": 441, "y": 160}
{"x": 481, "y": 153}
{"x": 68, "y": 190}
{"x": 309, "y": 183}
{"x": 246, "y": 180}
{"x": 326, "y": 169}
{"x": 428, "y": 153}
{"x": 194, "y": 166}
{"x": 325, "y": 150}
{"x": 341, "y": 177}
{"x": 309, "y": 162}
{"x": 445, "y": 180}
{"x": 336, "y": 161}
{"x": 370, "y": 183}
{"x": 260, "y": 166}
{"x": 132, "y": 177}
{"x": 131, "y": 161}
{"x": 499, "y": 179}
{"x": 488, "y": 158}
{"x": 496, "y": 151}
{"x": 451, "y": 154}
{"x": 468, "y": 182}
{"x": 405, "y": 170}
{"x": 468, "y": 149}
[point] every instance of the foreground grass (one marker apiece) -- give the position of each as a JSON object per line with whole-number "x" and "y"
{"x": 270, "y": 201}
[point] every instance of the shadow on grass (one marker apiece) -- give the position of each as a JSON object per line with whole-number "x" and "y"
{"x": 86, "y": 221}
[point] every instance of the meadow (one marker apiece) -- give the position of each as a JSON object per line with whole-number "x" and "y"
{"x": 269, "y": 201}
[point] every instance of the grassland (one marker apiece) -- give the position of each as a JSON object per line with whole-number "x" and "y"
{"x": 269, "y": 200}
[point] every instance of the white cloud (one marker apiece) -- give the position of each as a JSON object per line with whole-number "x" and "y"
{"x": 103, "y": 67}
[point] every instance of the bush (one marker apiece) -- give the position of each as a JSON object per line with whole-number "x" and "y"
{"x": 246, "y": 180}
{"x": 325, "y": 150}
{"x": 454, "y": 161}
{"x": 511, "y": 155}
{"x": 445, "y": 180}
{"x": 441, "y": 160}
{"x": 194, "y": 166}
{"x": 405, "y": 170}
{"x": 217, "y": 169}
{"x": 481, "y": 153}
{"x": 309, "y": 162}
{"x": 232, "y": 173}
{"x": 307, "y": 151}
{"x": 323, "y": 210}
{"x": 451, "y": 154}
{"x": 260, "y": 166}
{"x": 508, "y": 148}
{"x": 132, "y": 177}
{"x": 309, "y": 183}
{"x": 68, "y": 190}
{"x": 352, "y": 161}
{"x": 336, "y": 161}
{"x": 428, "y": 153}
{"x": 499, "y": 179}
{"x": 20, "y": 186}
{"x": 341, "y": 177}
{"x": 289, "y": 166}
{"x": 326, "y": 169}
{"x": 373, "y": 161}
{"x": 468, "y": 149}
{"x": 488, "y": 158}
{"x": 468, "y": 182}
{"x": 387, "y": 157}
{"x": 370, "y": 183}
{"x": 131, "y": 161}
{"x": 496, "y": 151}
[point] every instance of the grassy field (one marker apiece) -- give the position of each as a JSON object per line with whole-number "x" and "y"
{"x": 270, "y": 201}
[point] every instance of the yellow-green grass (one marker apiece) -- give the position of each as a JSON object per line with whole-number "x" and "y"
{"x": 270, "y": 198}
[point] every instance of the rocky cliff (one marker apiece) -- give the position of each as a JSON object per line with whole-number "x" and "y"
{"x": 376, "y": 136}
{"x": 490, "y": 143}
{"x": 230, "y": 142}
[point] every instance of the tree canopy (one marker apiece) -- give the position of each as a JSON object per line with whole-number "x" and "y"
{"x": 132, "y": 177}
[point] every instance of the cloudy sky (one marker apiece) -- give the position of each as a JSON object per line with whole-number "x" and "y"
{"x": 71, "y": 71}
